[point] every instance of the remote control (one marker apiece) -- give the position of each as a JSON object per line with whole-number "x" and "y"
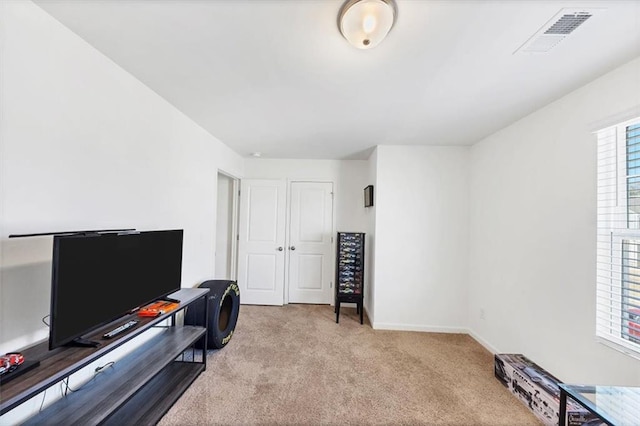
{"x": 120, "y": 329}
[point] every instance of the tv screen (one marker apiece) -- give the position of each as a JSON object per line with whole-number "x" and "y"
{"x": 98, "y": 278}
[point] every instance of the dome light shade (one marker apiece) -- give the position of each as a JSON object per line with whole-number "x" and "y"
{"x": 365, "y": 23}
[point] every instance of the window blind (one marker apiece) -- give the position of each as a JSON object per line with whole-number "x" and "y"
{"x": 618, "y": 236}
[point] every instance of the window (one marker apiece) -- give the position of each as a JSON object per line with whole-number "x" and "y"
{"x": 618, "y": 257}
{"x": 631, "y": 290}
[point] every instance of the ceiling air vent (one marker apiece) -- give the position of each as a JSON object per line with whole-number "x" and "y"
{"x": 555, "y": 30}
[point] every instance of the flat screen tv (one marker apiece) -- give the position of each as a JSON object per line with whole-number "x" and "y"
{"x": 98, "y": 278}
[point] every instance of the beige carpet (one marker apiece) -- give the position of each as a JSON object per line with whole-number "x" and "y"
{"x": 295, "y": 365}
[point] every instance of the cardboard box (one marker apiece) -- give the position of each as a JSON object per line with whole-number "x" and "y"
{"x": 537, "y": 389}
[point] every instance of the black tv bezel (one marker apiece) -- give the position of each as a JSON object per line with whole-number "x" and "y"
{"x": 54, "y": 276}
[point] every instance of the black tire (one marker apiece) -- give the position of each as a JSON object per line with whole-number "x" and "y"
{"x": 224, "y": 306}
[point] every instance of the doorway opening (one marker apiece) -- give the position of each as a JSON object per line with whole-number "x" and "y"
{"x": 226, "y": 227}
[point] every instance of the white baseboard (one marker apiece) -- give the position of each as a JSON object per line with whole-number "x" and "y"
{"x": 429, "y": 329}
{"x": 413, "y": 327}
{"x": 488, "y": 346}
{"x": 370, "y": 317}
{"x": 436, "y": 329}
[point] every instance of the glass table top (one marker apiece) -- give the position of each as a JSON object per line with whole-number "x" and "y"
{"x": 618, "y": 405}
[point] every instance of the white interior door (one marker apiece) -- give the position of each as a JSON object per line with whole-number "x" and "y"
{"x": 310, "y": 246}
{"x": 261, "y": 241}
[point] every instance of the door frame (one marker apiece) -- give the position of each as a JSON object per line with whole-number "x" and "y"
{"x": 235, "y": 218}
{"x": 287, "y": 233}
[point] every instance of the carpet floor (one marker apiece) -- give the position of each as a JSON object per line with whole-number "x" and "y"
{"x": 294, "y": 365}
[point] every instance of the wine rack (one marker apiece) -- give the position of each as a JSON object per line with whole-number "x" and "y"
{"x": 350, "y": 271}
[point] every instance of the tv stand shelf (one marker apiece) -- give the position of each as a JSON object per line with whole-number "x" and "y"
{"x": 142, "y": 386}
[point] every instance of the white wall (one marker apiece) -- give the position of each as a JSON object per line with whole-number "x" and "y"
{"x": 533, "y": 234}
{"x": 85, "y": 145}
{"x": 421, "y": 238}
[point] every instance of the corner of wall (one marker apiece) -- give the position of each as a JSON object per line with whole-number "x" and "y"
{"x": 488, "y": 346}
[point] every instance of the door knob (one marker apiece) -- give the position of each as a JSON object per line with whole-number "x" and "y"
{"x": 292, "y": 247}
{"x": 280, "y": 249}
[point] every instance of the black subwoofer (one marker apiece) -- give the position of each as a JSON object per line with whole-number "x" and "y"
{"x": 223, "y": 305}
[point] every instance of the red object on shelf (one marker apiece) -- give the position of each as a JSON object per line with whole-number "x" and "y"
{"x": 10, "y": 362}
{"x": 157, "y": 308}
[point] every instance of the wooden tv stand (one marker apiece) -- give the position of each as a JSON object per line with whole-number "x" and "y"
{"x": 141, "y": 387}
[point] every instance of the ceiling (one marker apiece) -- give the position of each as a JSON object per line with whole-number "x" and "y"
{"x": 276, "y": 76}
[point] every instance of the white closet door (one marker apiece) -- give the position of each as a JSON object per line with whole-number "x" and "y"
{"x": 261, "y": 244}
{"x": 310, "y": 247}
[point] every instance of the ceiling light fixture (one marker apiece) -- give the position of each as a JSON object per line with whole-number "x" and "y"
{"x": 365, "y": 23}
{"x": 256, "y": 154}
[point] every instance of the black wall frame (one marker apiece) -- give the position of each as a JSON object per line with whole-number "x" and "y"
{"x": 368, "y": 196}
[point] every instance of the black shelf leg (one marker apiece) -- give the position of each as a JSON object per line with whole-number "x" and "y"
{"x": 361, "y": 311}
{"x": 337, "y": 312}
{"x": 562, "y": 420}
